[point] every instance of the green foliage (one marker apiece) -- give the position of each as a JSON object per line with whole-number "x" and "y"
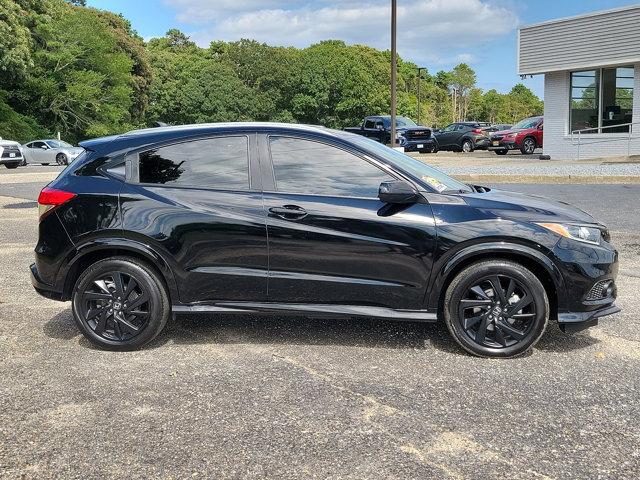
{"x": 86, "y": 72}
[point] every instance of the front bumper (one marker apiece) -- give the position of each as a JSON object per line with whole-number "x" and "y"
{"x": 428, "y": 144}
{"x": 502, "y": 145}
{"x": 572, "y": 322}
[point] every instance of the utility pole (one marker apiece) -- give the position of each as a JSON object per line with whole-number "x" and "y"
{"x": 420, "y": 69}
{"x": 394, "y": 80}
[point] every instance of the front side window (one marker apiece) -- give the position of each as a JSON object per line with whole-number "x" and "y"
{"x": 369, "y": 123}
{"x": 601, "y": 99}
{"x": 450, "y": 128}
{"x": 310, "y": 167}
{"x": 219, "y": 163}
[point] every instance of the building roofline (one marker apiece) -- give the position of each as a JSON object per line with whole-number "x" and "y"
{"x": 581, "y": 16}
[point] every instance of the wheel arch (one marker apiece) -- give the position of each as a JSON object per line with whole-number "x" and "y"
{"x": 539, "y": 264}
{"x": 86, "y": 256}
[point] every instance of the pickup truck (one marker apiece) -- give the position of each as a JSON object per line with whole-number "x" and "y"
{"x": 412, "y": 137}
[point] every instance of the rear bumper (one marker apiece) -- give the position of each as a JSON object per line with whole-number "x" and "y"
{"x": 481, "y": 143}
{"x": 11, "y": 160}
{"x": 571, "y": 322}
{"x": 41, "y": 287}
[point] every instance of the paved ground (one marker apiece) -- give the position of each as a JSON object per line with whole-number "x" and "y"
{"x": 291, "y": 397}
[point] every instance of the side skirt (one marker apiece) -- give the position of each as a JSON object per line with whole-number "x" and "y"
{"x": 316, "y": 310}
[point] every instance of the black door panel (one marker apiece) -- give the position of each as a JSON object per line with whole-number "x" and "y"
{"x": 349, "y": 251}
{"x": 217, "y": 240}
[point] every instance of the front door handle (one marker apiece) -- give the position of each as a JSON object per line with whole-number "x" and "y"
{"x": 288, "y": 211}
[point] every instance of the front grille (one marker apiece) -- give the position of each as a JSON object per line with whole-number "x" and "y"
{"x": 601, "y": 290}
{"x": 418, "y": 134}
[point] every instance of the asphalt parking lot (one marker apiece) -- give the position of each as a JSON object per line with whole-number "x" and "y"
{"x": 256, "y": 397}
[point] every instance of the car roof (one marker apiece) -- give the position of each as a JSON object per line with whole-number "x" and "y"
{"x": 159, "y": 134}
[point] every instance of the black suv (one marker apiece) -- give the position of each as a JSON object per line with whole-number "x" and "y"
{"x": 273, "y": 218}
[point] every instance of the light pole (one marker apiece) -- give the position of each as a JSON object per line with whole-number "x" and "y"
{"x": 394, "y": 7}
{"x": 420, "y": 69}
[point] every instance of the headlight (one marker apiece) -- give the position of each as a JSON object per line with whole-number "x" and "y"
{"x": 581, "y": 233}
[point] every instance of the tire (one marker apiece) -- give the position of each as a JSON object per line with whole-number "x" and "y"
{"x": 477, "y": 322}
{"x": 106, "y": 319}
{"x": 61, "y": 159}
{"x": 467, "y": 146}
{"x": 528, "y": 146}
{"x": 45, "y": 164}
{"x": 501, "y": 152}
{"x": 11, "y": 165}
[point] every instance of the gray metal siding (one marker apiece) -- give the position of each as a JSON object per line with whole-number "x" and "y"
{"x": 607, "y": 38}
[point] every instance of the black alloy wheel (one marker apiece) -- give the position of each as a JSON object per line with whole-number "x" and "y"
{"x": 496, "y": 308}
{"x": 528, "y": 146}
{"x": 120, "y": 303}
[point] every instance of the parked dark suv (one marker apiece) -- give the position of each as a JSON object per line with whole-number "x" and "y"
{"x": 273, "y": 218}
{"x": 463, "y": 137}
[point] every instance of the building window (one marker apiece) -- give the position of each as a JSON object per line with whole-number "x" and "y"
{"x": 601, "y": 100}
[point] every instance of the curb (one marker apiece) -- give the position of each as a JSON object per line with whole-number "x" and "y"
{"x": 551, "y": 179}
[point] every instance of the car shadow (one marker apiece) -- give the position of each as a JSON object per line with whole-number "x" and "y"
{"x": 293, "y": 330}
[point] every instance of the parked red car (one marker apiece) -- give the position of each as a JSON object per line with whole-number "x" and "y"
{"x": 526, "y": 136}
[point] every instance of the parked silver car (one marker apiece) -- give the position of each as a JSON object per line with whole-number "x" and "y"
{"x": 50, "y": 151}
{"x": 10, "y": 153}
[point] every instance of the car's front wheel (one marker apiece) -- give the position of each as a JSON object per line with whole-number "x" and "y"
{"x": 120, "y": 303}
{"x": 496, "y": 308}
{"x": 11, "y": 165}
{"x": 528, "y": 146}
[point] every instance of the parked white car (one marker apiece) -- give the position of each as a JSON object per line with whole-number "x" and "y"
{"x": 51, "y": 151}
{"x": 10, "y": 153}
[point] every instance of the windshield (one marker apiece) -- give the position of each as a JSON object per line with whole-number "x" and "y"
{"x": 526, "y": 123}
{"x": 437, "y": 180}
{"x": 58, "y": 144}
{"x": 405, "y": 122}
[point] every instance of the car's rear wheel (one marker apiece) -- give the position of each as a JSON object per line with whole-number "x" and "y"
{"x": 11, "y": 165}
{"x": 496, "y": 308}
{"x": 61, "y": 159}
{"x": 528, "y": 146}
{"x": 467, "y": 146}
{"x": 502, "y": 152}
{"x": 120, "y": 303}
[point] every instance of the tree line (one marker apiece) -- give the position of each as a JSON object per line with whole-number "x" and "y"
{"x": 85, "y": 72}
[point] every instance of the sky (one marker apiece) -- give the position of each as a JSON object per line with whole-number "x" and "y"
{"x": 437, "y": 34}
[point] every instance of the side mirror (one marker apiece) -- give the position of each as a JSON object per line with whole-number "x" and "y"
{"x": 397, "y": 191}
{"x": 540, "y": 127}
{"x": 44, "y": 147}
{"x": 380, "y": 127}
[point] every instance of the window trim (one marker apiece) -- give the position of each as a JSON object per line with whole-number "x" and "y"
{"x": 366, "y": 158}
{"x": 134, "y": 157}
{"x": 599, "y": 96}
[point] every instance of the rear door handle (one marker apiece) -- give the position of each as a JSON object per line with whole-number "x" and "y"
{"x": 288, "y": 211}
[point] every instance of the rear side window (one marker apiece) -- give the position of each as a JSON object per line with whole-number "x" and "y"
{"x": 221, "y": 162}
{"x": 309, "y": 167}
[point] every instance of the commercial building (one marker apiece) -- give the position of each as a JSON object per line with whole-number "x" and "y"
{"x": 591, "y": 68}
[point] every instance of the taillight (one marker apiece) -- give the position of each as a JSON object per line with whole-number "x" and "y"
{"x": 50, "y": 198}
{"x": 477, "y": 131}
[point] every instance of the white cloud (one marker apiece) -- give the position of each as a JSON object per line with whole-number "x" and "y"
{"x": 436, "y": 31}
